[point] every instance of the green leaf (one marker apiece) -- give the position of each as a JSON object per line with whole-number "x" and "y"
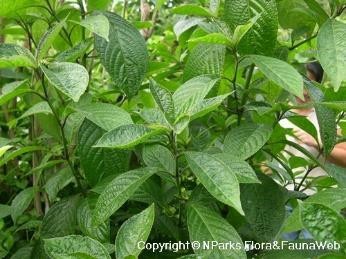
{"x": 192, "y": 93}
{"x": 70, "y": 78}
{"x": 323, "y": 223}
{"x": 163, "y": 99}
{"x": 261, "y": 37}
{"x": 75, "y": 247}
{"x": 41, "y": 107}
{"x": 264, "y": 207}
{"x": 60, "y": 220}
{"x": 101, "y": 232}
{"x": 134, "y": 230}
{"x": 118, "y": 191}
{"x": 336, "y": 105}
{"x": 21, "y": 202}
{"x": 13, "y": 90}
{"x": 18, "y": 152}
{"x": 242, "y": 170}
{"x": 214, "y": 38}
{"x": 160, "y": 157}
{"x": 105, "y": 115}
{"x": 99, "y": 163}
{"x": 331, "y": 50}
{"x": 5, "y": 211}
{"x": 97, "y": 24}
{"x": 127, "y": 136}
{"x": 185, "y": 24}
{"x": 320, "y": 14}
{"x": 240, "y": 31}
{"x": 337, "y": 172}
{"x": 206, "y": 225}
{"x": 207, "y": 105}
{"x": 191, "y": 9}
{"x": 73, "y": 53}
{"x": 216, "y": 177}
{"x": 57, "y": 182}
{"x": 125, "y": 55}
{"x": 305, "y": 124}
{"x": 334, "y": 198}
{"x": 209, "y": 58}
{"x": 281, "y": 73}
{"x": 12, "y": 55}
{"x": 245, "y": 140}
{"x": 47, "y": 40}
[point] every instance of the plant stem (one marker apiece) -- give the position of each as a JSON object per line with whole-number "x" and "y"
{"x": 177, "y": 176}
{"x": 234, "y": 85}
{"x": 63, "y": 137}
{"x": 246, "y": 89}
{"x": 302, "y": 42}
{"x": 304, "y": 177}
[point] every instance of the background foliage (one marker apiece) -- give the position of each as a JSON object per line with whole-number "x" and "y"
{"x": 159, "y": 120}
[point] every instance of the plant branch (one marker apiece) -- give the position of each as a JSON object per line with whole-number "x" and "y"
{"x": 234, "y": 85}
{"x": 302, "y": 42}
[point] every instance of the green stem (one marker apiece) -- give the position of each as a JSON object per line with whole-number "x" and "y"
{"x": 234, "y": 86}
{"x": 302, "y": 42}
{"x": 177, "y": 176}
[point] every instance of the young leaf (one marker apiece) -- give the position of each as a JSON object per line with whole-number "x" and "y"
{"x": 207, "y": 105}
{"x": 136, "y": 229}
{"x": 215, "y": 38}
{"x": 99, "y": 163}
{"x": 101, "y": 232}
{"x": 69, "y": 78}
{"x": 125, "y": 55}
{"x": 12, "y": 90}
{"x": 209, "y": 58}
{"x": 12, "y": 55}
{"x": 280, "y": 73}
{"x": 105, "y": 115}
{"x": 163, "y": 99}
{"x": 21, "y": 202}
{"x": 244, "y": 141}
{"x": 185, "y": 24}
{"x": 127, "y": 136}
{"x": 74, "y": 246}
{"x": 191, "y": 9}
{"x": 216, "y": 177}
{"x": 118, "y": 191}
{"x": 160, "y": 157}
{"x": 97, "y": 24}
{"x": 206, "y": 225}
{"x": 73, "y": 53}
{"x": 191, "y": 93}
{"x": 41, "y": 107}
{"x": 47, "y": 40}
{"x": 331, "y": 49}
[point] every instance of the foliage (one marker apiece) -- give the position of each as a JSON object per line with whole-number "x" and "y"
{"x": 160, "y": 122}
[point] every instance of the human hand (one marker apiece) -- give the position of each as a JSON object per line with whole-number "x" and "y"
{"x": 305, "y": 138}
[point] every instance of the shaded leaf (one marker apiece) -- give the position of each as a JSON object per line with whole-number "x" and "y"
{"x": 12, "y": 55}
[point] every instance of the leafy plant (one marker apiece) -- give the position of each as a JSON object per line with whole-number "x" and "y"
{"x": 123, "y": 124}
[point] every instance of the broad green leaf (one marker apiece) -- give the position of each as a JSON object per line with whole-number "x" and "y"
{"x": 12, "y": 55}
{"x": 18, "y": 152}
{"x": 125, "y": 55}
{"x": 15, "y": 7}
{"x": 47, "y": 40}
{"x": 331, "y": 49}
{"x": 334, "y": 198}
{"x": 191, "y": 9}
{"x": 206, "y": 225}
{"x": 5, "y": 211}
{"x": 134, "y": 230}
{"x": 160, "y": 157}
{"x": 242, "y": 170}
{"x": 73, "y": 53}
{"x": 97, "y": 24}
{"x": 305, "y": 124}
{"x": 214, "y": 38}
{"x": 216, "y": 177}
{"x": 185, "y": 24}
{"x": 261, "y": 37}
{"x": 163, "y": 99}
{"x": 323, "y": 223}
{"x": 191, "y": 93}
{"x": 70, "y": 78}
{"x": 105, "y": 115}
{"x": 31, "y": 224}
{"x": 209, "y": 58}
{"x": 24, "y": 252}
{"x": 240, "y": 31}
{"x": 118, "y": 191}
{"x": 280, "y": 73}
{"x": 75, "y": 247}
{"x": 207, "y": 105}
{"x": 41, "y": 107}
{"x": 4, "y": 149}
{"x": 320, "y": 14}
{"x": 99, "y": 163}
{"x": 326, "y": 118}
{"x": 245, "y": 140}
{"x": 60, "y": 220}
{"x": 336, "y": 105}
{"x": 57, "y": 182}
{"x": 21, "y": 202}
{"x": 13, "y": 90}
{"x": 337, "y": 172}
{"x": 264, "y": 207}
{"x": 101, "y": 232}
{"x": 127, "y": 136}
